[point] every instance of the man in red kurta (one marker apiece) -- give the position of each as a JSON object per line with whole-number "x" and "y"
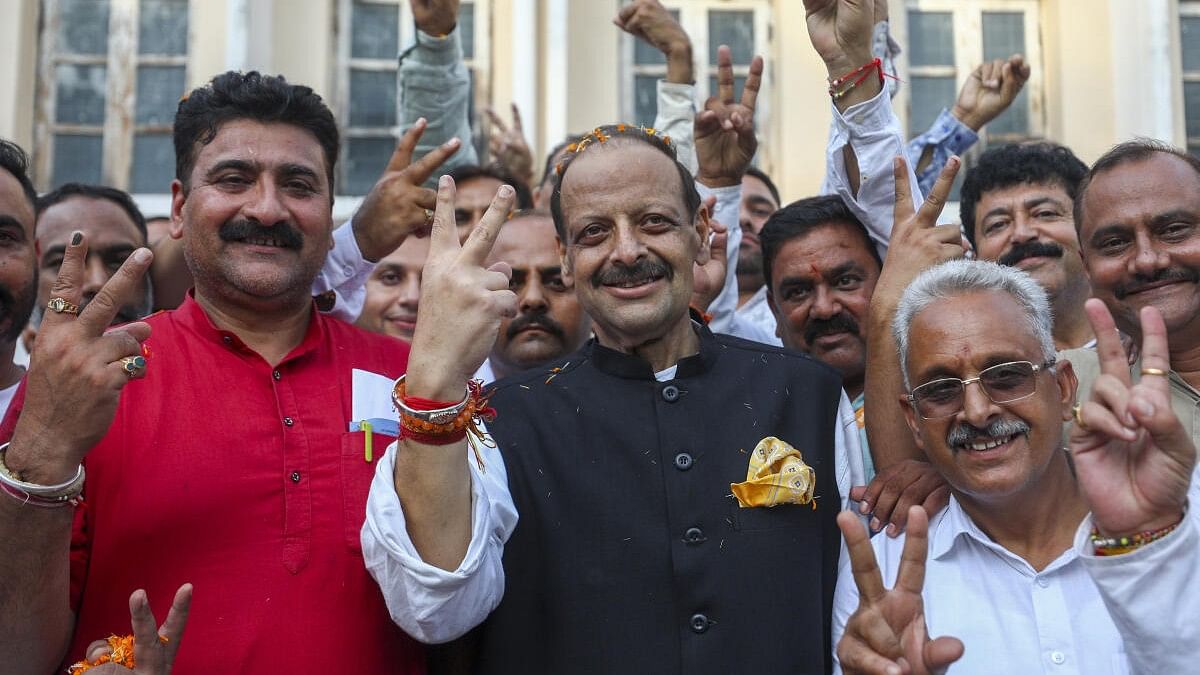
{"x": 229, "y": 460}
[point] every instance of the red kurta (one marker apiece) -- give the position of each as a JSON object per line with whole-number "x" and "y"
{"x": 243, "y": 480}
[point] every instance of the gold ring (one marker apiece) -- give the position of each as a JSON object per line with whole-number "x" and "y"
{"x": 1154, "y": 371}
{"x": 134, "y": 366}
{"x": 428, "y": 216}
{"x": 60, "y": 306}
{"x": 1077, "y": 412}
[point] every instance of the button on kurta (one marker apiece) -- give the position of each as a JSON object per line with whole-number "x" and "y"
{"x": 277, "y": 375}
{"x": 295, "y": 476}
{"x": 1058, "y": 658}
{"x": 670, "y": 393}
{"x": 288, "y": 421}
{"x": 683, "y": 461}
{"x": 699, "y": 623}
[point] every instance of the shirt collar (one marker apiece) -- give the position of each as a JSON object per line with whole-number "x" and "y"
{"x": 193, "y": 317}
{"x": 631, "y": 367}
{"x": 953, "y": 529}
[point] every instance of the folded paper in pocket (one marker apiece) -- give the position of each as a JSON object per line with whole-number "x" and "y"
{"x": 777, "y": 475}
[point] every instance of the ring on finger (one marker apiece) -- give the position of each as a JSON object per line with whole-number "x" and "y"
{"x": 133, "y": 366}
{"x": 60, "y": 306}
{"x": 428, "y": 216}
{"x": 1077, "y": 413}
{"x": 1154, "y": 371}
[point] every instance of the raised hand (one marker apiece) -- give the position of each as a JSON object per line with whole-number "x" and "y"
{"x": 918, "y": 242}
{"x": 397, "y": 205}
{"x": 894, "y": 490}
{"x": 840, "y": 31}
{"x": 887, "y": 635}
{"x": 435, "y": 17}
{"x": 508, "y": 147}
{"x": 648, "y": 20}
{"x": 462, "y": 303}
{"x": 154, "y": 646}
{"x": 708, "y": 273}
{"x": 76, "y": 371}
{"x": 1133, "y": 458}
{"x": 990, "y": 89}
{"x": 724, "y": 130}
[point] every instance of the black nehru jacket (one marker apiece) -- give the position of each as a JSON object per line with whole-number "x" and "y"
{"x": 631, "y": 554}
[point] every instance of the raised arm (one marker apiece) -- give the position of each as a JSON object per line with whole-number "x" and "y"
{"x": 72, "y": 389}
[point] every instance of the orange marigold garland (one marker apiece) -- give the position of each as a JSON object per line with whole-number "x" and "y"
{"x": 122, "y": 655}
{"x": 600, "y": 135}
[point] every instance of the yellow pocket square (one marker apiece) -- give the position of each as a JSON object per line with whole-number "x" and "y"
{"x": 777, "y": 475}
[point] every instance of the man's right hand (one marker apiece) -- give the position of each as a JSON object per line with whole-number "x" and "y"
{"x": 154, "y": 646}
{"x": 462, "y": 303}
{"x": 75, "y": 374}
{"x": 648, "y": 20}
{"x": 990, "y": 89}
{"x": 888, "y": 630}
{"x": 435, "y": 17}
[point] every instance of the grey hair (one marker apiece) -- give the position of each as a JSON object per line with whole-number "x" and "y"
{"x": 958, "y": 277}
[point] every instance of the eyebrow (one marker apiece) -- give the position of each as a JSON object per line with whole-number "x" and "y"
{"x": 1027, "y": 204}
{"x": 943, "y": 372}
{"x": 9, "y": 221}
{"x": 848, "y": 266}
{"x": 1174, "y": 216}
{"x": 288, "y": 169}
{"x": 759, "y": 199}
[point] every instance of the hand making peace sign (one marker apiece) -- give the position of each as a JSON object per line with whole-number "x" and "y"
{"x": 78, "y": 368}
{"x": 154, "y": 646}
{"x": 1133, "y": 458}
{"x": 724, "y": 130}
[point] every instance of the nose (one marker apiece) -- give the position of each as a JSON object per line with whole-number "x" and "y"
{"x": 825, "y": 305}
{"x": 95, "y": 275}
{"x": 978, "y": 409}
{"x": 410, "y": 292}
{"x": 1023, "y": 229}
{"x": 1147, "y": 260}
{"x": 265, "y": 204}
{"x": 628, "y": 248}
{"x": 533, "y": 297}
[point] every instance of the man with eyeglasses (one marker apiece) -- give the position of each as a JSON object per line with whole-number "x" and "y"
{"x": 1012, "y": 574}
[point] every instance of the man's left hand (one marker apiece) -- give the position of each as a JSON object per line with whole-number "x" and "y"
{"x": 152, "y": 654}
{"x": 897, "y": 488}
{"x": 990, "y": 89}
{"x": 508, "y": 147}
{"x": 708, "y": 275}
{"x": 724, "y": 131}
{"x": 435, "y": 17}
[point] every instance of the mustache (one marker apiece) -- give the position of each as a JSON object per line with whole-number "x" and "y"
{"x": 283, "y": 232}
{"x": 1030, "y": 249}
{"x": 1140, "y": 281}
{"x": 964, "y": 433}
{"x": 531, "y": 319}
{"x": 838, "y": 323}
{"x": 642, "y": 270}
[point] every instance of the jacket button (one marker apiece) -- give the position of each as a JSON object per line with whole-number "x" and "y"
{"x": 683, "y": 461}
{"x": 670, "y": 393}
{"x": 699, "y": 623}
{"x": 694, "y": 535}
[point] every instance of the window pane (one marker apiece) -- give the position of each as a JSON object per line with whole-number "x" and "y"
{"x": 645, "y": 99}
{"x": 645, "y": 54}
{"x": 158, "y": 92}
{"x": 466, "y": 29}
{"x": 76, "y": 159}
{"x": 929, "y": 96}
{"x": 1015, "y": 120}
{"x": 372, "y": 98}
{"x": 1191, "y": 108}
{"x": 80, "y": 91}
{"x": 153, "y": 163}
{"x": 739, "y": 81}
{"x": 83, "y": 27}
{"x": 1003, "y": 34}
{"x": 733, "y": 28}
{"x": 930, "y": 38}
{"x": 365, "y": 159}
{"x": 163, "y": 27}
{"x": 1194, "y": 149}
{"x": 374, "y": 31}
{"x": 1189, "y": 28}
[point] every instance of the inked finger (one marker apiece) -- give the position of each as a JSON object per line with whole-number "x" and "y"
{"x": 753, "y": 83}
{"x": 121, "y": 289}
{"x": 724, "y": 74}
{"x": 863, "y": 565}
{"x": 68, "y": 284}
{"x": 911, "y": 575}
{"x": 423, "y": 168}
{"x": 479, "y": 244}
{"x": 402, "y": 155}
{"x": 1109, "y": 350}
{"x": 940, "y": 192}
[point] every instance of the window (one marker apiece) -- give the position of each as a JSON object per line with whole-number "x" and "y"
{"x": 741, "y": 24}
{"x": 372, "y": 35}
{"x": 111, "y": 75}
{"x": 948, "y": 39}
{"x": 1189, "y": 28}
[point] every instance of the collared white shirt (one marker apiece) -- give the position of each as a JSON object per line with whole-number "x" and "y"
{"x": 434, "y": 605}
{"x": 1013, "y": 619}
{"x": 755, "y": 321}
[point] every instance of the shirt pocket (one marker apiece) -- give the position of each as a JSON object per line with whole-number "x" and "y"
{"x": 357, "y": 474}
{"x": 761, "y": 518}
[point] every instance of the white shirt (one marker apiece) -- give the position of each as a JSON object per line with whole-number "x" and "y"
{"x": 755, "y": 321}
{"x": 1013, "y": 619}
{"x": 434, "y": 605}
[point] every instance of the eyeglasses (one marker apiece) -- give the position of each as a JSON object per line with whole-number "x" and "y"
{"x": 1003, "y": 383}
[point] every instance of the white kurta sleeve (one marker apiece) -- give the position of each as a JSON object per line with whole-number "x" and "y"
{"x": 847, "y": 451}
{"x": 345, "y": 273}
{"x": 873, "y": 131}
{"x": 676, "y": 117}
{"x": 727, "y": 213}
{"x": 431, "y": 604}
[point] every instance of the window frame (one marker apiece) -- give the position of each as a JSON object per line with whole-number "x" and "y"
{"x": 121, "y": 61}
{"x": 1187, "y": 9}
{"x": 479, "y": 64}
{"x": 967, "y": 24}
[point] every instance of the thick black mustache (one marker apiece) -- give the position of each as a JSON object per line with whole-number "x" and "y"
{"x": 241, "y": 230}
{"x": 643, "y": 270}
{"x": 838, "y": 323}
{"x": 1030, "y": 249}
{"x": 530, "y": 319}
{"x": 1140, "y": 281}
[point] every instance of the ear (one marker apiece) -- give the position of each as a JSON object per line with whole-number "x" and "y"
{"x": 775, "y": 313}
{"x": 564, "y": 262}
{"x": 910, "y": 417}
{"x": 1068, "y": 383}
{"x": 178, "y": 197}
{"x": 703, "y": 227}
